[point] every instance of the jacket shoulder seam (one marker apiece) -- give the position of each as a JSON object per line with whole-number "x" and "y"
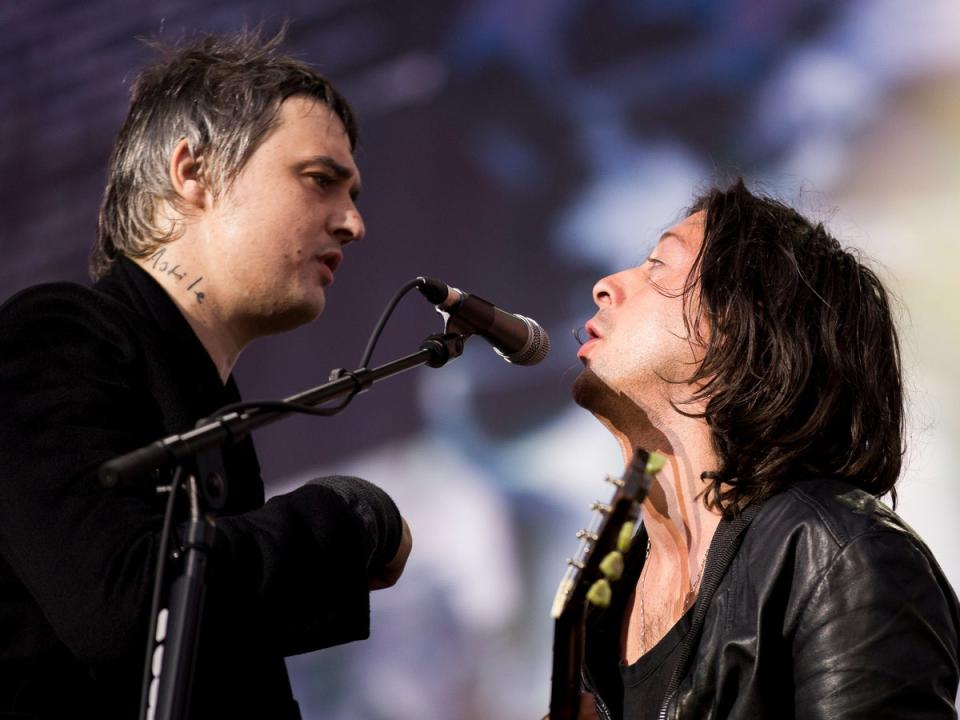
{"x": 829, "y": 566}
{"x": 828, "y": 522}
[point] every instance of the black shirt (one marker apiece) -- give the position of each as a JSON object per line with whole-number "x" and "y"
{"x": 645, "y": 681}
{"x": 635, "y": 691}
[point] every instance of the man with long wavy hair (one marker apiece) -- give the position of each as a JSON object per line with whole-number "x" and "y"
{"x": 229, "y": 204}
{"x": 768, "y": 581}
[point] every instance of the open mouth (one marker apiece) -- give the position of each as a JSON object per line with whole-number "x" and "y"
{"x": 593, "y": 336}
{"x": 331, "y": 259}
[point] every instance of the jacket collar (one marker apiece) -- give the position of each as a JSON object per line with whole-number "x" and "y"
{"x": 723, "y": 548}
{"x": 604, "y": 624}
{"x": 133, "y": 286}
{"x": 181, "y": 375}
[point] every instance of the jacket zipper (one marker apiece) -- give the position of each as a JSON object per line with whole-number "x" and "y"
{"x": 726, "y": 550}
{"x": 663, "y": 710}
{"x": 587, "y": 684}
{"x": 602, "y": 707}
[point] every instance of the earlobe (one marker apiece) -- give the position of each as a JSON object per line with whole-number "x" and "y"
{"x": 186, "y": 175}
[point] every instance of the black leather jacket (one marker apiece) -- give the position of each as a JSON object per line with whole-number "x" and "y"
{"x": 819, "y": 603}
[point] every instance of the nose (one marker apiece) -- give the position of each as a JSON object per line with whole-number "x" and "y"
{"x": 347, "y": 224}
{"x": 607, "y": 291}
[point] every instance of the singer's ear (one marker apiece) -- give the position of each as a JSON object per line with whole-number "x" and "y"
{"x": 187, "y": 178}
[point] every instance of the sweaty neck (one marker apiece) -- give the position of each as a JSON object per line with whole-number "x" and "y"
{"x": 680, "y": 527}
{"x": 191, "y": 292}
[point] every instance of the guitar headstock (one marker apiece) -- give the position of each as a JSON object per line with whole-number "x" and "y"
{"x": 599, "y": 560}
{"x": 592, "y": 575}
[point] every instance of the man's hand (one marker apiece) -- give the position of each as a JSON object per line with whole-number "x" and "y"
{"x": 390, "y": 573}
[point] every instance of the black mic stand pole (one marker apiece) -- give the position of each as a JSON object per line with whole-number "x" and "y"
{"x": 200, "y": 451}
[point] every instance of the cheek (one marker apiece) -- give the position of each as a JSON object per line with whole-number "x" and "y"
{"x": 268, "y": 235}
{"x": 239, "y": 226}
{"x": 654, "y": 340}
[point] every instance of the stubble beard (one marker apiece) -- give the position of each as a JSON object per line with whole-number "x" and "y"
{"x": 615, "y": 409}
{"x": 611, "y": 406}
{"x": 283, "y": 314}
{"x": 589, "y": 390}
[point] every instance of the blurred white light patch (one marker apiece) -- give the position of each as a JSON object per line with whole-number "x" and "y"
{"x": 461, "y": 529}
{"x": 630, "y": 201}
{"x": 567, "y": 459}
{"x": 814, "y": 106}
{"x": 818, "y": 90}
{"x": 927, "y": 494}
{"x": 899, "y": 39}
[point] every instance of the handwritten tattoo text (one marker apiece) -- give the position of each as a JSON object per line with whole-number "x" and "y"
{"x": 163, "y": 266}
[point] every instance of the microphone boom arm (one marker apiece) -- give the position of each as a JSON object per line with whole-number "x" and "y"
{"x": 435, "y": 351}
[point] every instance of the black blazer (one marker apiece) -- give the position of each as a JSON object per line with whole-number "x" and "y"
{"x": 88, "y": 374}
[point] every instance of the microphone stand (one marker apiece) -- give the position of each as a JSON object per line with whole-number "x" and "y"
{"x": 200, "y": 452}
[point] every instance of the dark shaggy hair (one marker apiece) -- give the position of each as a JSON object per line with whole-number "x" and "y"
{"x": 220, "y": 93}
{"x": 801, "y": 373}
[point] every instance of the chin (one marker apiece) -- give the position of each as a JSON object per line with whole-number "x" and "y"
{"x": 589, "y": 391}
{"x": 309, "y": 306}
{"x": 612, "y": 407}
{"x": 283, "y": 319}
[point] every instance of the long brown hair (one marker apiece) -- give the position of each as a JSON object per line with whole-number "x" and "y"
{"x": 801, "y": 373}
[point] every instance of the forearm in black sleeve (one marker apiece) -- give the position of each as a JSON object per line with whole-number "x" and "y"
{"x": 298, "y": 567}
{"x": 293, "y": 572}
{"x": 381, "y": 519}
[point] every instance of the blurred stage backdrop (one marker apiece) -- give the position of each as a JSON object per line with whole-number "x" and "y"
{"x": 520, "y": 149}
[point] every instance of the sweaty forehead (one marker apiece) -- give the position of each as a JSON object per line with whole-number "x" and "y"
{"x": 310, "y": 130}
{"x": 686, "y": 234}
{"x": 308, "y": 120}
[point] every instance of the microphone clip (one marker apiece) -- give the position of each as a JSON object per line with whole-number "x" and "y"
{"x": 444, "y": 347}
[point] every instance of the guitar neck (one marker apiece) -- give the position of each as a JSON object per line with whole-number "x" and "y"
{"x": 592, "y": 578}
{"x": 570, "y": 611}
{"x": 567, "y": 658}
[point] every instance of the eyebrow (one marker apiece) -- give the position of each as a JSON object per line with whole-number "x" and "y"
{"x": 341, "y": 172}
{"x": 670, "y": 234}
{"x": 666, "y": 235}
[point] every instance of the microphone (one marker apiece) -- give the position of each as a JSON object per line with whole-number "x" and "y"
{"x": 515, "y": 338}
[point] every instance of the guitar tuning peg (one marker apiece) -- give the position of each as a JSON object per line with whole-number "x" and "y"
{"x": 614, "y": 481}
{"x": 601, "y": 507}
{"x": 625, "y": 538}
{"x": 612, "y": 566}
{"x": 575, "y": 563}
{"x": 655, "y": 463}
{"x": 600, "y": 593}
{"x": 591, "y": 536}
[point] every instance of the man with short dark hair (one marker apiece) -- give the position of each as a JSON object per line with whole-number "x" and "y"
{"x": 230, "y": 201}
{"x": 767, "y": 580}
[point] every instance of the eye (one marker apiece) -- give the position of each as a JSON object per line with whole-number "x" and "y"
{"x": 322, "y": 180}
{"x": 654, "y": 261}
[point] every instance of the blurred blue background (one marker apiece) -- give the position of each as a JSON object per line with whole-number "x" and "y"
{"x": 521, "y": 150}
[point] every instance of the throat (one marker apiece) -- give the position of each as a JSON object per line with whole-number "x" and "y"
{"x": 665, "y": 591}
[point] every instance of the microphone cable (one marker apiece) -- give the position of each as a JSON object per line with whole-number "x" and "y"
{"x": 175, "y": 483}
{"x": 156, "y": 598}
{"x": 333, "y": 409}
